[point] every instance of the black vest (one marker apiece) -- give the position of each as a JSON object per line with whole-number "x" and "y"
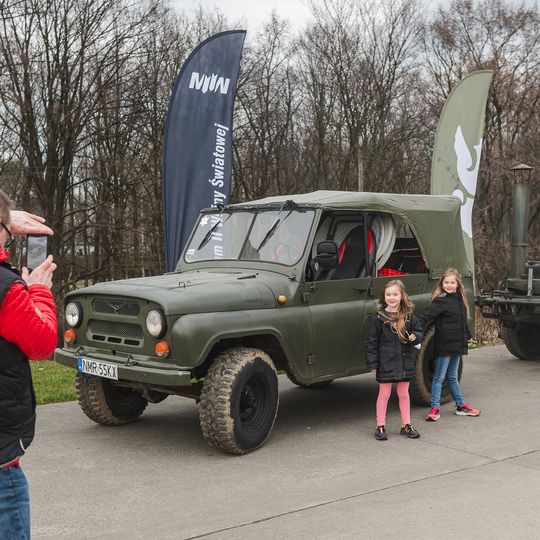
{"x": 17, "y": 399}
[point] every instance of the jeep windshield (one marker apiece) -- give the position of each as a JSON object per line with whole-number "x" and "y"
{"x": 276, "y": 235}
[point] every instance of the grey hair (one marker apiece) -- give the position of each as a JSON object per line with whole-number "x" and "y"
{"x": 6, "y": 204}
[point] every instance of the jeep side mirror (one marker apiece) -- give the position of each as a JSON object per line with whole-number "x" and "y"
{"x": 327, "y": 254}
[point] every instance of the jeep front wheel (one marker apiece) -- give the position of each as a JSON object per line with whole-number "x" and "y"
{"x": 239, "y": 400}
{"x": 107, "y": 404}
{"x": 420, "y": 388}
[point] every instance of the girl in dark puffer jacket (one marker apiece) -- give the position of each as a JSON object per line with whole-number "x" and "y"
{"x": 392, "y": 333}
{"x": 450, "y": 311}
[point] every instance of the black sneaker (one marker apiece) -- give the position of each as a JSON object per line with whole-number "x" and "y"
{"x": 408, "y": 430}
{"x": 380, "y": 434}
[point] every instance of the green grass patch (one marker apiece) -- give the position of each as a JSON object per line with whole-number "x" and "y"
{"x": 53, "y": 382}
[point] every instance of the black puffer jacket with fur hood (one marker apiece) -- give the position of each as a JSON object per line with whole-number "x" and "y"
{"x": 385, "y": 352}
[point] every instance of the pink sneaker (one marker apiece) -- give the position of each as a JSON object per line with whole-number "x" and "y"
{"x": 466, "y": 410}
{"x": 433, "y": 415}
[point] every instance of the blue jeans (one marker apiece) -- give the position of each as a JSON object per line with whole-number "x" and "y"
{"x": 14, "y": 504}
{"x": 446, "y": 366}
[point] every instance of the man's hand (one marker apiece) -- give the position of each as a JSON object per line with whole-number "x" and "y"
{"x": 24, "y": 223}
{"x": 42, "y": 274}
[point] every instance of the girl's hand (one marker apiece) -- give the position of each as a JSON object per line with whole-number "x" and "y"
{"x": 42, "y": 274}
{"x": 412, "y": 336}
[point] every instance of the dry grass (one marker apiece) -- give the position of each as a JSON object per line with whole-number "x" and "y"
{"x": 487, "y": 330}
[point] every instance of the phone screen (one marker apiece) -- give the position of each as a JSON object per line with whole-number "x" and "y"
{"x": 36, "y": 250}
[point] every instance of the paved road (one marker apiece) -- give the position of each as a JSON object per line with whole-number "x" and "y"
{"x": 321, "y": 474}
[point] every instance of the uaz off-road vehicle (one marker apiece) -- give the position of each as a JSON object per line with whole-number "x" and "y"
{"x": 284, "y": 283}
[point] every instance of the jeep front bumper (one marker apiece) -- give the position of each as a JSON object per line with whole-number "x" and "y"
{"x": 128, "y": 368}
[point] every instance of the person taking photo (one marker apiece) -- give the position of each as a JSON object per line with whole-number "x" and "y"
{"x": 28, "y": 330}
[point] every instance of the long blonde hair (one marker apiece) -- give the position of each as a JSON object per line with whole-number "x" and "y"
{"x": 438, "y": 290}
{"x": 397, "y": 320}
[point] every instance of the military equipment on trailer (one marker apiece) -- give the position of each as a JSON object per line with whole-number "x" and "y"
{"x": 517, "y": 305}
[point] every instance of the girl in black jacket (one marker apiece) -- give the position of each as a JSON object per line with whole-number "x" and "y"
{"x": 392, "y": 333}
{"x": 449, "y": 310}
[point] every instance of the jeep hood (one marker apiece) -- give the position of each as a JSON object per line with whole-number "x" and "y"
{"x": 198, "y": 291}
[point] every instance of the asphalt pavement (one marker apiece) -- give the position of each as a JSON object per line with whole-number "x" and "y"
{"x": 320, "y": 475}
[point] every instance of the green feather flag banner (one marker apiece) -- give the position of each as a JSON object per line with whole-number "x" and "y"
{"x": 458, "y": 145}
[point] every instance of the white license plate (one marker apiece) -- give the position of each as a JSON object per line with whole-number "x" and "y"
{"x": 99, "y": 369}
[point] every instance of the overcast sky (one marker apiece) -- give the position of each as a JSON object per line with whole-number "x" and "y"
{"x": 255, "y": 12}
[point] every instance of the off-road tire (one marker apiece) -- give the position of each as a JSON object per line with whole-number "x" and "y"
{"x": 239, "y": 400}
{"x": 523, "y": 341}
{"x": 107, "y": 404}
{"x": 321, "y": 384}
{"x": 420, "y": 387}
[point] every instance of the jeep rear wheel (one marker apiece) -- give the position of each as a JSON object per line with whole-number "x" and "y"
{"x": 107, "y": 404}
{"x": 420, "y": 387}
{"x": 239, "y": 400}
{"x": 523, "y": 340}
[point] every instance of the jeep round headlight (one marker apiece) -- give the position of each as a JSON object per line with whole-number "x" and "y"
{"x": 155, "y": 323}
{"x": 73, "y": 314}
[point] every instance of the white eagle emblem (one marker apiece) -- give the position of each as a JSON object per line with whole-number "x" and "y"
{"x": 468, "y": 176}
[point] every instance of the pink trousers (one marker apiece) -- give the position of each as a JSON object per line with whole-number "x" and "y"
{"x": 385, "y": 389}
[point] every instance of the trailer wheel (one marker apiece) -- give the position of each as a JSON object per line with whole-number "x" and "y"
{"x": 107, "y": 404}
{"x": 239, "y": 400}
{"x": 420, "y": 388}
{"x": 523, "y": 340}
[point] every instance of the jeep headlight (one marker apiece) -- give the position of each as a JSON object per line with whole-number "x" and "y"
{"x": 155, "y": 323}
{"x": 73, "y": 314}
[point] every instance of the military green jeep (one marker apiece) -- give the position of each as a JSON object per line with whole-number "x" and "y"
{"x": 280, "y": 284}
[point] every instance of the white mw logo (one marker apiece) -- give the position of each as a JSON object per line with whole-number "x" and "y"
{"x": 213, "y": 82}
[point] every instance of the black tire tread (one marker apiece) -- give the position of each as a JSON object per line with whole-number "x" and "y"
{"x": 91, "y": 397}
{"x": 512, "y": 340}
{"x": 215, "y": 405}
{"x": 419, "y": 389}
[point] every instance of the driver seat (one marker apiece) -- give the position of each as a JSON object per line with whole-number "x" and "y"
{"x": 351, "y": 255}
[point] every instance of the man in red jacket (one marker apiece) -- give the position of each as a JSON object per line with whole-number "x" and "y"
{"x": 28, "y": 330}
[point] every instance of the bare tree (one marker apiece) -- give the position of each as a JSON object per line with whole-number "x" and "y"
{"x": 55, "y": 54}
{"x": 505, "y": 38}
{"x": 264, "y": 144}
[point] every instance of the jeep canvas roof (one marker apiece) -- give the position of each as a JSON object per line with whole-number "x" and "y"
{"x": 434, "y": 219}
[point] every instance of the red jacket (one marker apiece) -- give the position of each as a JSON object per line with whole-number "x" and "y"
{"x": 28, "y": 319}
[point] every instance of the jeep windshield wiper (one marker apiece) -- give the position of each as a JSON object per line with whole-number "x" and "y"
{"x": 269, "y": 233}
{"x": 287, "y": 204}
{"x": 208, "y": 235}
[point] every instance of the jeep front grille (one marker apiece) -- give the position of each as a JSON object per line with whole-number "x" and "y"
{"x": 116, "y": 306}
{"x": 115, "y": 332}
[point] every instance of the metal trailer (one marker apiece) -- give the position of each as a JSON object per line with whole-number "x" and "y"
{"x": 517, "y": 305}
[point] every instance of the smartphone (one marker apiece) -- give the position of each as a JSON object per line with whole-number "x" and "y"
{"x": 36, "y": 250}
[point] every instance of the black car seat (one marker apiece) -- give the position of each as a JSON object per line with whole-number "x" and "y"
{"x": 351, "y": 255}
{"x": 372, "y": 255}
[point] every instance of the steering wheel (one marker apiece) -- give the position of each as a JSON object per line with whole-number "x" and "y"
{"x": 286, "y": 253}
